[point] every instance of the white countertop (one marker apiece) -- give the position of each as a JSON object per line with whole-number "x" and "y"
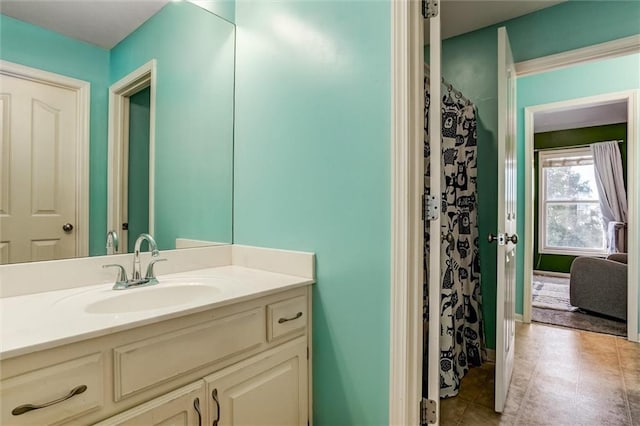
{"x": 45, "y": 320}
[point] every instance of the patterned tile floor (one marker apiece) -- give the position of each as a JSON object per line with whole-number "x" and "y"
{"x": 561, "y": 377}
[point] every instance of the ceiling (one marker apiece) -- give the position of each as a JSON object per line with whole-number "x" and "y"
{"x": 106, "y": 22}
{"x": 592, "y": 115}
{"x": 462, "y": 16}
{"x": 101, "y": 22}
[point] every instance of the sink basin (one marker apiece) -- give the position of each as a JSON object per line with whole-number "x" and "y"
{"x": 149, "y": 298}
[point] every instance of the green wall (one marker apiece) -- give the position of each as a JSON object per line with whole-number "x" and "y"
{"x": 470, "y": 64}
{"x": 312, "y": 172}
{"x": 194, "y": 50}
{"x": 568, "y": 138}
{"x": 37, "y": 47}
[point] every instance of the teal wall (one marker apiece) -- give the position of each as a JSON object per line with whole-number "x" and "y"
{"x": 611, "y": 75}
{"x": 223, "y": 8}
{"x": 470, "y": 64}
{"x": 568, "y": 138}
{"x": 138, "y": 170}
{"x": 37, "y": 47}
{"x": 194, "y": 50}
{"x": 312, "y": 172}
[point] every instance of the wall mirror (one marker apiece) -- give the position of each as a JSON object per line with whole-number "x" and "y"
{"x": 115, "y": 116}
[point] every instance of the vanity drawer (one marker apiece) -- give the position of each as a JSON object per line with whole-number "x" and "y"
{"x": 146, "y": 363}
{"x": 288, "y": 316}
{"x": 80, "y": 380}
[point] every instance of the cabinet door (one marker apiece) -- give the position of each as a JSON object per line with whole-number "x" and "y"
{"x": 268, "y": 389}
{"x": 183, "y": 407}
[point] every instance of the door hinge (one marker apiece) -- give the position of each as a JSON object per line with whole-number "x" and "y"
{"x": 430, "y": 207}
{"x": 428, "y": 412}
{"x": 307, "y": 352}
{"x": 430, "y": 8}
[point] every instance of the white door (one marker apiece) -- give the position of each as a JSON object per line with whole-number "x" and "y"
{"x": 38, "y": 143}
{"x": 506, "y": 237}
{"x": 435, "y": 244}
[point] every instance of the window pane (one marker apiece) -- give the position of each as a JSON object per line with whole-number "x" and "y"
{"x": 571, "y": 183}
{"x": 576, "y": 225}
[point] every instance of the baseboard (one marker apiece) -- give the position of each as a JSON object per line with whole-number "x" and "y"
{"x": 519, "y": 318}
{"x": 552, "y": 274}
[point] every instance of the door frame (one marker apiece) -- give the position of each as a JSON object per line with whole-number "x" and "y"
{"x": 406, "y": 259}
{"x": 82, "y": 90}
{"x": 407, "y": 109}
{"x": 119, "y": 94}
{"x": 631, "y": 97}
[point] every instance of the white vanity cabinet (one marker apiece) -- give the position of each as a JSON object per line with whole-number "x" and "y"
{"x": 252, "y": 354}
{"x": 72, "y": 387}
{"x": 182, "y": 407}
{"x": 268, "y": 389}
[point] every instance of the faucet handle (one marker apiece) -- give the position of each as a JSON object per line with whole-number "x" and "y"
{"x": 150, "y": 274}
{"x": 122, "y": 274}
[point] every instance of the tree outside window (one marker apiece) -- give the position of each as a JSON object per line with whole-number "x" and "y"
{"x": 570, "y": 216}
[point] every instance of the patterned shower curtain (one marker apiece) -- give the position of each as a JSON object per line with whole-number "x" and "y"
{"x": 461, "y": 328}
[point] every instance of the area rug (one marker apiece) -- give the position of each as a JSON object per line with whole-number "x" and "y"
{"x": 551, "y": 293}
{"x": 580, "y": 320}
{"x": 550, "y": 305}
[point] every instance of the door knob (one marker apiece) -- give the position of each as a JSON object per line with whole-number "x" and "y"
{"x": 500, "y": 238}
{"x": 67, "y": 227}
{"x": 513, "y": 238}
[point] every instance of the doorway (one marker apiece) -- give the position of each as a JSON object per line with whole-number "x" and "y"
{"x": 598, "y": 314}
{"x": 407, "y": 257}
{"x": 132, "y": 155}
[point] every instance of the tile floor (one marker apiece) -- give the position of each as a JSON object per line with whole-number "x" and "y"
{"x": 561, "y": 377}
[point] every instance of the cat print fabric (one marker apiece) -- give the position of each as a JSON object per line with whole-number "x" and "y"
{"x": 461, "y": 327}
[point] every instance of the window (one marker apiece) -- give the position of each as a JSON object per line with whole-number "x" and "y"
{"x": 570, "y": 220}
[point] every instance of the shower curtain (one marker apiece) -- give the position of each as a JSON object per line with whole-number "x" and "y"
{"x": 461, "y": 328}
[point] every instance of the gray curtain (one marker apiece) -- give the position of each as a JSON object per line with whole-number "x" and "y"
{"x": 460, "y": 304}
{"x": 610, "y": 182}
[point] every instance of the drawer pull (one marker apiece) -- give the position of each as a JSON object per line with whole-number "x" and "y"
{"x": 214, "y": 395}
{"x": 295, "y": 317}
{"x": 196, "y": 405}
{"x": 30, "y": 407}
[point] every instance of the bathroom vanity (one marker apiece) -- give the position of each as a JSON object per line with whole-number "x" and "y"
{"x": 234, "y": 349}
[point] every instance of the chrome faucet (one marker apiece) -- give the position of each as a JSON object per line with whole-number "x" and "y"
{"x": 112, "y": 242}
{"x": 153, "y": 248}
{"x": 136, "y": 275}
